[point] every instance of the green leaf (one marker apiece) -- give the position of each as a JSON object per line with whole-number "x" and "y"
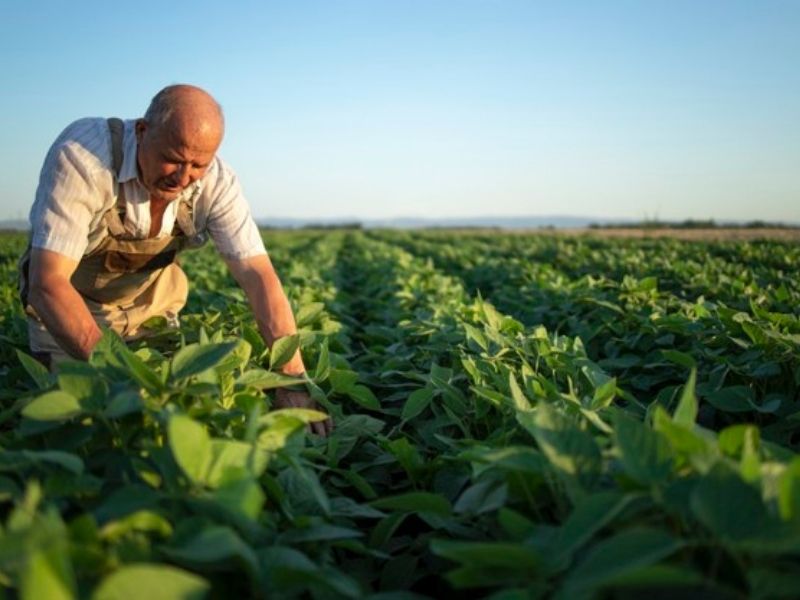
{"x": 364, "y": 396}
{"x": 142, "y": 520}
{"x": 151, "y": 582}
{"x": 343, "y": 380}
{"x": 386, "y": 528}
{"x": 141, "y": 373}
{"x": 415, "y": 502}
{"x": 191, "y": 447}
{"x": 304, "y": 490}
{"x": 767, "y": 581}
{"x": 236, "y": 359}
{"x": 661, "y": 577}
{"x": 604, "y": 394}
{"x": 282, "y": 424}
{"x": 516, "y": 525}
{"x": 53, "y": 406}
{"x": 743, "y": 442}
{"x": 123, "y": 403}
{"x": 756, "y": 333}
{"x": 476, "y": 337}
{"x": 486, "y": 564}
{"x": 645, "y": 454}
{"x": 621, "y": 554}
{"x": 283, "y": 350}
{"x": 233, "y": 454}
{"x": 304, "y": 415}
{"x": 66, "y": 460}
{"x": 261, "y": 379}
{"x": 729, "y": 507}
{"x": 124, "y": 501}
{"x": 213, "y": 545}
{"x": 521, "y": 459}
{"x": 321, "y": 532}
{"x": 407, "y": 455}
{"x": 37, "y": 371}
{"x": 487, "y": 495}
{"x": 308, "y": 313}
{"x": 83, "y": 381}
{"x": 737, "y": 398}
{"x": 520, "y": 401}
{"x": 417, "y": 401}
{"x": 289, "y": 570}
{"x": 347, "y": 507}
{"x": 680, "y": 358}
{"x": 502, "y": 555}
{"x": 287, "y": 566}
{"x": 242, "y": 495}
{"x": 686, "y": 443}
{"x": 195, "y": 358}
{"x": 573, "y": 452}
{"x": 789, "y": 491}
{"x": 590, "y": 515}
{"x": 323, "y": 367}
{"x": 47, "y": 573}
{"x": 46, "y": 569}
{"x": 686, "y": 413}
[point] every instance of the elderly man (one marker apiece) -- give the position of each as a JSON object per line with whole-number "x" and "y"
{"x": 117, "y": 200}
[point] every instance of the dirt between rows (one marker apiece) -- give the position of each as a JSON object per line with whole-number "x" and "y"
{"x": 711, "y": 234}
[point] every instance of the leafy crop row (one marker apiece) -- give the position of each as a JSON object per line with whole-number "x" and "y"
{"x": 506, "y": 443}
{"x": 648, "y": 310}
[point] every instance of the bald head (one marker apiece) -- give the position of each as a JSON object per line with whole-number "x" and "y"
{"x": 177, "y": 139}
{"x": 187, "y": 108}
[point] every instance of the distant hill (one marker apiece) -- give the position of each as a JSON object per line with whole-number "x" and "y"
{"x": 520, "y": 222}
{"x": 14, "y": 225}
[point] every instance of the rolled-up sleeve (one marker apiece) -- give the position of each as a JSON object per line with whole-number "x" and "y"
{"x": 229, "y": 221}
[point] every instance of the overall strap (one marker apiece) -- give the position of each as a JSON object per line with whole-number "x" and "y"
{"x": 117, "y": 128}
{"x": 112, "y": 219}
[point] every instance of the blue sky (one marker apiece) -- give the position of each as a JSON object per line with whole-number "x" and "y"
{"x": 377, "y": 109}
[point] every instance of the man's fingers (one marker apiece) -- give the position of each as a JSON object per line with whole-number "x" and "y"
{"x": 327, "y": 426}
{"x": 291, "y": 399}
{"x": 319, "y": 428}
{"x": 322, "y": 428}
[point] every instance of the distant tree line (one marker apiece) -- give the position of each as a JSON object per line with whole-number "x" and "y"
{"x": 348, "y": 225}
{"x": 691, "y": 224}
{"x": 345, "y": 225}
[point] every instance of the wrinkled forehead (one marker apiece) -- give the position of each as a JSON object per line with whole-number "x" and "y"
{"x": 185, "y": 135}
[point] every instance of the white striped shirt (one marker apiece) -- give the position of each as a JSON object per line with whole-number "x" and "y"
{"x": 77, "y": 186}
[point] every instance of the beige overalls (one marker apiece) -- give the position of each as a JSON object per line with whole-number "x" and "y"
{"x": 123, "y": 281}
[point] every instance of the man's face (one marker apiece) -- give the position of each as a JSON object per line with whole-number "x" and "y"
{"x": 172, "y": 157}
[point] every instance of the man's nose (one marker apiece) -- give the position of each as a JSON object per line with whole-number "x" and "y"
{"x": 184, "y": 175}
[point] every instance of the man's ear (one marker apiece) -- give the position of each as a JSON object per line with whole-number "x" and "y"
{"x": 140, "y": 128}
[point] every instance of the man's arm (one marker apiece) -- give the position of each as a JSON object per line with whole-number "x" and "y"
{"x": 59, "y": 305}
{"x": 273, "y": 313}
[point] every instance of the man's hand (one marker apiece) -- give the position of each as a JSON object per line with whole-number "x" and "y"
{"x": 275, "y": 320}
{"x": 271, "y": 308}
{"x": 300, "y": 399}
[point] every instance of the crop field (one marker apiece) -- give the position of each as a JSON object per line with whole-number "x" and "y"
{"x": 516, "y": 417}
